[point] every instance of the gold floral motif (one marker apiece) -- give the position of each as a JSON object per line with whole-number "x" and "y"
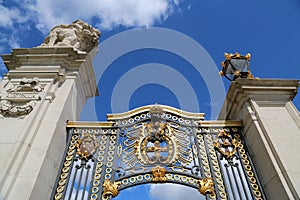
{"x": 158, "y": 174}
{"x": 206, "y": 186}
{"x": 110, "y": 189}
{"x": 226, "y": 145}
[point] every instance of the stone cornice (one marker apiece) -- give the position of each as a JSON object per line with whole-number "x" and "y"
{"x": 271, "y": 91}
{"x": 66, "y": 57}
{"x": 57, "y": 63}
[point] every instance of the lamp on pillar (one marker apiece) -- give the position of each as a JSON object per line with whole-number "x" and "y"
{"x": 236, "y": 66}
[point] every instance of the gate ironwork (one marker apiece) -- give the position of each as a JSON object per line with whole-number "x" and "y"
{"x": 156, "y": 144}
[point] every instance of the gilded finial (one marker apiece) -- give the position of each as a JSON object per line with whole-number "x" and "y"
{"x": 206, "y": 185}
{"x": 248, "y": 56}
{"x": 237, "y": 55}
{"x": 227, "y": 56}
{"x": 110, "y": 189}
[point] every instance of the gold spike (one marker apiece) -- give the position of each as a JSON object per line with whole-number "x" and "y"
{"x": 228, "y": 56}
{"x": 223, "y": 64}
{"x": 248, "y": 56}
{"x": 237, "y": 73}
{"x": 250, "y": 76}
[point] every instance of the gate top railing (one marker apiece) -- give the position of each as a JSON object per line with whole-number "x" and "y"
{"x": 155, "y": 108}
{"x": 156, "y": 144}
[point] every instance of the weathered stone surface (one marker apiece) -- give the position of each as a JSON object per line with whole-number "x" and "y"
{"x": 271, "y": 130}
{"x": 79, "y": 35}
{"x": 58, "y": 80}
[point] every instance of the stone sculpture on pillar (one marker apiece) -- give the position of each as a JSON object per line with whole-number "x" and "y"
{"x": 45, "y": 86}
{"x": 79, "y": 35}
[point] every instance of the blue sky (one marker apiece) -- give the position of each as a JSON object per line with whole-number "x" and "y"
{"x": 185, "y": 32}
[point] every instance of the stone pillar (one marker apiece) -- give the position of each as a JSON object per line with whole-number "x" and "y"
{"x": 271, "y": 128}
{"x": 43, "y": 89}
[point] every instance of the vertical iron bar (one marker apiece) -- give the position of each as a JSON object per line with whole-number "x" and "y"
{"x": 223, "y": 173}
{"x": 79, "y": 182}
{"x": 73, "y": 181}
{"x": 85, "y": 181}
{"x": 230, "y": 182}
{"x": 192, "y": 143}
{"x": 247, "y": 178}
{"x": 242, "y": 180}
{"x": 115, "y": 156}
{"x": 210, "y": 162}
{"x": 235, "y": 179}
{"x": 255, "y": 175}
{"x": 68, "y": 142}
{"x": 198, "y": 152}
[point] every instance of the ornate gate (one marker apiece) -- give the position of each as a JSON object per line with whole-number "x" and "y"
{"x": 156, "y": 144}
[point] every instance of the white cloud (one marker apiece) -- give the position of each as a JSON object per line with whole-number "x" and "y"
{"x": 9, "y": 16}
{"x": 14, "y": 22}
{"x": 110, "y": 13}
{"x": 174, "y": 192}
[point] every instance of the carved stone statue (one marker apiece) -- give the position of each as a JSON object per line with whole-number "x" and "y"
{"x": 79, "y": 35}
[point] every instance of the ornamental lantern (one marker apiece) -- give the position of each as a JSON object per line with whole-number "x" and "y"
{"x": 236, "y": 66}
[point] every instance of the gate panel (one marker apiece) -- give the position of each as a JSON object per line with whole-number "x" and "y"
{"x": 156, "y": 144}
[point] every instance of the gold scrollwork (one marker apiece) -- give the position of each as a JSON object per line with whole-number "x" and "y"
{"x": 158, "y": 174}
{"x": 206, "y": 186}
{"x": 110, "y": 189}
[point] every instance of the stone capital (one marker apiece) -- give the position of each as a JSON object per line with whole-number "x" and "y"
{"x": 57, "y": 63}
{"x": 270, "y": 91}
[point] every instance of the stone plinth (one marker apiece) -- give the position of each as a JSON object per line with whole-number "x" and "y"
{"x": 271, "y": 126}
{"x": 44, "y": 88}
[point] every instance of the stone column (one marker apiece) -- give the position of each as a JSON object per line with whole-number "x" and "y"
{"x": 44, "y": 88}
{"x": 271, "y": 128}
